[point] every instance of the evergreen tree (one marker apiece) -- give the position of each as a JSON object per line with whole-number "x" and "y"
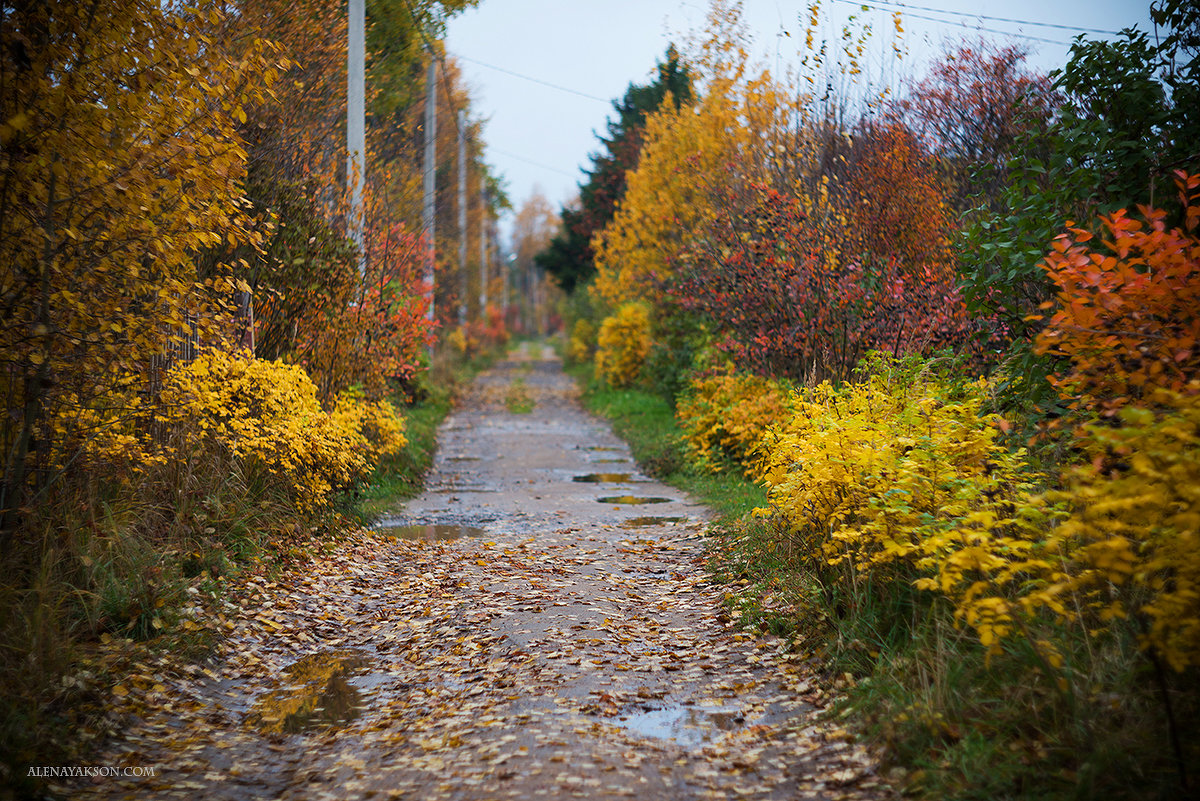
{"x": 569, "y": 256}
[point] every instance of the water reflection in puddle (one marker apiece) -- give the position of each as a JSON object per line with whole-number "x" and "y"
{"x": 317, "y": 692}
{"x": 597, "y": 478}
{"x": 637, "y": 522}
{"x": 610, "y": 461}
{"x": 634, "y": 499}
{"x": 687, "y": 726}
{"x": 431, "y": 531}
{"x": 462, "y": 458}
{"x": 604, "y": 448}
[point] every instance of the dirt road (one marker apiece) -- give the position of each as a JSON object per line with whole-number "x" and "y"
{"x": 538, "y": 624}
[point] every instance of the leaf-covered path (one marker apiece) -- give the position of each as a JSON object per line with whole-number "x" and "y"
{"x": 563, "y": 647}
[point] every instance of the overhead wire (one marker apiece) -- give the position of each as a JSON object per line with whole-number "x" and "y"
{"x": 450, "y": 98}
{"x": 531, "y": 161}
{"x": 904, "y": 9}
{"x": 532, "y": 79}
{"x": 992, "y": 19}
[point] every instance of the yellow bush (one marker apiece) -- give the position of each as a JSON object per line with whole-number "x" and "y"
{"x": 724, "y": 418}
{"x": 624, "y": 341}
{"x": 1134, "y": 533}
{"x": 379, "y": 424}
{"x": 458, "y": 340}
{"x": 1130, "y": 545}
{"x": 267, "y": 415}
{"x": 874, "y": 478}
{"x": 582, "y": 342}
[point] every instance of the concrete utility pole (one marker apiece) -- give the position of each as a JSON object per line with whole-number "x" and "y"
{"x": 430, "y": 171}
{"x": 483, "y": 235}
{"x": 462, "y": 218}
{"x": 356, "y": 147}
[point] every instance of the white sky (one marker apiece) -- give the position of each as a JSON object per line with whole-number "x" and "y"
{"x": 540, "y": 136}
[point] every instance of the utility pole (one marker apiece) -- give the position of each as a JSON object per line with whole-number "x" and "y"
{"x": 483, "y": 233}
{"x": 356, "y": 147}
{"x": 462, "y": 218}
{"x": 430, "y": 172}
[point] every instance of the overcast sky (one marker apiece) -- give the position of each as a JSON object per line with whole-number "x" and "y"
{"x": 573, "y": 57}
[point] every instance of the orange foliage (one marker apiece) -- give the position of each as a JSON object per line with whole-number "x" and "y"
{"x": 1128, "y": 316}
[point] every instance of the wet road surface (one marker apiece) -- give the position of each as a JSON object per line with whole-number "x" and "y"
{"x": 537, "y": 624}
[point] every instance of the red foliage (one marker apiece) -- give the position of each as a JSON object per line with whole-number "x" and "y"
{"x": 805, "y": 291}
{"x": 379, "y": 333}
{"x": 971, "y": 109}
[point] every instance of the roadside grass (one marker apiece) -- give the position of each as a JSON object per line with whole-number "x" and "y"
{"x": 517, "y": 398}
{"x": 647, "y": 422}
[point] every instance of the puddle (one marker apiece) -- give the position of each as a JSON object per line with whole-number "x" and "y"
{"x": 596, "y": 478}
{"x": 431, "y": 531}
{"x": 687, "y": 726}
{"x": 610, "y": 461}
{"x": 631, "y": 499}
{"x": 605, "y": 448}
{"x": 463, "y": 458}
{"x": 637, "y": 522}
{"x": 317, "y": 693}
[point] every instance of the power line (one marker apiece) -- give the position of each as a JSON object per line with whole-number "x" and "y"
{"x": 532, "y": 79}
{"x": 994, "y": 19}
{"x": 440, "y": 61}
{"x": 531, "y": 161}
{"x": 861, "y": 4}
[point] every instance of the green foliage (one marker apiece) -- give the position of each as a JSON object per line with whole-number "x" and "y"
{"x": 1124, "y": 126}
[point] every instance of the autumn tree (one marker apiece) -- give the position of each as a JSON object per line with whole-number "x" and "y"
{"x": 739, "y": 120}
{"x": 971, "y": 110}
{"x": 804, "y": 286}
{"x": 121, "y": 161}
{"x": 533, "y": 227}
{"x": 309, "y": 295}
{"x": 1123, "y": 125}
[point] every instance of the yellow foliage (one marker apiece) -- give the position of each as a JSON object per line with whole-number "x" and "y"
{"x": 266, "y": 414}
{"x": 724, "y": 418}
{"x": 458, "y": 340}
{"x": 884, "y": 478}
{"x": 624, "y": 342}
{"x": 1118, "y": 540}
{"x": 739, "y": 124}
{"x": 582, "y": 342}
{"x": 1133, "y": 538}
{"x": 379, "y": 423}
{"x": 123, "y": 165}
